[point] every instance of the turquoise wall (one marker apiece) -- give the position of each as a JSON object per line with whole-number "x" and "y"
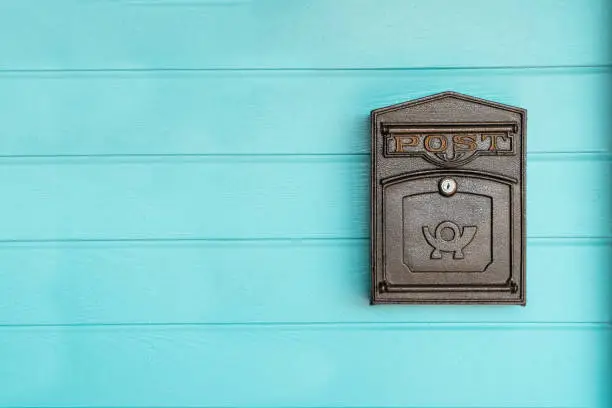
{"x": 184, "y": 212}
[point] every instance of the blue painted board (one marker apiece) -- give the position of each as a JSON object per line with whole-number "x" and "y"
{"x": 144, "y": 34}
{"x": 255, "y": 197}
{"x": 272, "y": 282}
{"x": 306, "y": 366}
{"x": 306, "y": 112}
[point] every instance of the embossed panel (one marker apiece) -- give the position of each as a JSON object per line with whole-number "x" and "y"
{"x": 448, "y": 202}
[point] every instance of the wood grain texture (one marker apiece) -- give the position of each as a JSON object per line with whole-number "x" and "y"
{"x": 184, "y": 207}
{"x": 269, "y": 282}
{"x": 280, "y": 112}
{"x": 125, "y": 34}
{"x": 315, "y": 367}
{"x": 253, "y": 197}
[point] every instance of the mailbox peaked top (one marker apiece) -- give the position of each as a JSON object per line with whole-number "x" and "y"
{"x": 444, "y": 96}
{"x": 448, "y": 129}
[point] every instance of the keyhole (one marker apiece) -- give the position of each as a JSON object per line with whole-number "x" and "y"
{"x": 448, "y": 187}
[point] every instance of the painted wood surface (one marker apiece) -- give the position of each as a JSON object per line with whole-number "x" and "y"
{"x": 230, "y": 197}
{"x": 306, "y": 366}
{"x": 273, "y": 34}
{"x": 274, "y": 282}
{"x": 185, "y": 203}
{"x": 277, "y": 112}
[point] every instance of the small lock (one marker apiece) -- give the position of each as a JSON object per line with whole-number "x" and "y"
{"x": 447, "y": 187}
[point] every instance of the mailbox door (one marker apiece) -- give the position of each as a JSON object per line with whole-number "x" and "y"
{"x": 451, "y": 243}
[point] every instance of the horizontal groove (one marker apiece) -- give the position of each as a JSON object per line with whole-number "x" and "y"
{"x": 182, "y": 3}
{"x": 568, "y": 156}
{"x": 296, "y": 406}
{"x": 568, "y": 67}
{"x": 340, "y": 325}
{"x": 203, "y": 240}
{"x": 535, "y": 240}
{"x": 588, "y": 155}
{"x": 202, "y": 156}
{"x": 174, "y": 3}
{"x": 568, "y": 240}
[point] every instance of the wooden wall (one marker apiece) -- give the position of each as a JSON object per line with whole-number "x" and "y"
{"x": 184, "y": 212}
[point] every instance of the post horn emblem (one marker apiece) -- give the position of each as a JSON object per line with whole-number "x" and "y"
{"x": 449, "y": 239}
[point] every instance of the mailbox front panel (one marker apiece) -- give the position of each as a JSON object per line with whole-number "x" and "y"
{"x": 448, "y": 202}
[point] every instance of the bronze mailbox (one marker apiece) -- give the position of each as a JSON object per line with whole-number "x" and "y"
{"x": 448, "y": 201}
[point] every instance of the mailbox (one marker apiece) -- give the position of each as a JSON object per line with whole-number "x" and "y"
{"x": 448, "y": 201}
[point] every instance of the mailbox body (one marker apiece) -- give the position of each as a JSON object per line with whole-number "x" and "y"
{"x": 448, "y": 202}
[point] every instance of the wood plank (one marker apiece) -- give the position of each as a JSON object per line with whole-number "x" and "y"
{"x": 299, "y": 367}
{"x": 269, "y": 282}
{"x": 254, "y": 197}
{"x": 136, "y": 34}
{"x": 306, "y": 112}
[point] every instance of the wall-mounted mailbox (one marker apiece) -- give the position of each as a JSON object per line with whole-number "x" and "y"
{"x": 448, "y": 201}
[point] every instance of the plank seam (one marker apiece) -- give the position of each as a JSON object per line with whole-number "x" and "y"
{"x": 300, "y": 69}
{"x": 335, "y": 325}
{"x": 295, "y": 406}
{"x": 587, "y": 155}
{"x": 546, "y": 240}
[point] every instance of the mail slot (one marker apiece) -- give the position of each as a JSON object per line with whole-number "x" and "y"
{"x": 448, "y": 201}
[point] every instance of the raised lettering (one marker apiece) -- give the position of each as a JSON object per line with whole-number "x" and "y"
{"x": 465, "y": 142}
{"x": 402, "y": 142}
{"x": 493, "y": 138}
{"x": 432, "y": 148}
